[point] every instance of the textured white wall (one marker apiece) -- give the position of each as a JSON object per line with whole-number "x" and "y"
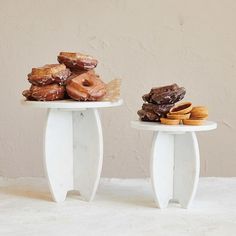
{"x": 146, "y": 43}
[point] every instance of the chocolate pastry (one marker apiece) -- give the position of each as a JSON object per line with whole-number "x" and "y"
{"x": 148, "y": 115}
{"x": 165, "y": 95}
{"x": 153, "y": 112}
{"x": 159, "y": 101}
{"x": 160, "y": 110}
{"x": 48, "y": 74}
{"x": 166, "y": 88}
{"x": 85, "y": 87}
{"x": 49, "y": 92}
{"x": 77, "y": 61}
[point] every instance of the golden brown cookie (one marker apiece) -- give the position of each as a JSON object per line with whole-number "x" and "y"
{"x": 199, "y": 112}
{"x": 48, "y": 74}
{"x": 193, "y": 122}
{"x": 178, "y": 116}
{"x": 181, "y": 108}
{"x": 167, "y": 121}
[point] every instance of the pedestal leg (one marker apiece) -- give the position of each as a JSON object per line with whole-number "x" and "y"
{"x": 187, "y": 166}
{"x": 58, "y": 160}
{"x": 88, "y": 152}
{"x": 161, "y": 166}
{"x": 73, "y": 152}
{"x": 174, "y": 167}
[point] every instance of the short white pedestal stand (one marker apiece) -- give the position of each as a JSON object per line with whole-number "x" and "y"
{"x": 174, "y": 161}
{"x": 73, "y": 146}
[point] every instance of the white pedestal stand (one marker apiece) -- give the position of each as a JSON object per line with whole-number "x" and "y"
{"x": 174, "y": 161}
{"x": 73, "y": 146}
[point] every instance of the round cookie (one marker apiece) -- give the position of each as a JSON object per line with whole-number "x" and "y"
{"x": 181, "y": 108}
{"x": 199, "y": 112}
{"x": 167, "y": 121}
{"x": 178, "y": 116}
{"x": 193, "y": 122}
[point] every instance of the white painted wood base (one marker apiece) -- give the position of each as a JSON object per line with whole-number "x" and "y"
{"x": 73, "y": 152}
{"x": 73, "y": 147}
{"x": 174, "y": 167}
{"x": 174, "y": 161}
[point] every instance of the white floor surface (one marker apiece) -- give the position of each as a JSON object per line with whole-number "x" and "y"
{"x": 121, "y": 207}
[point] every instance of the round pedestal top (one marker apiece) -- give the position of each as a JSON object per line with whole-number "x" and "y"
{"x": 71, "y": 104}
{"x": 156, "y": 126}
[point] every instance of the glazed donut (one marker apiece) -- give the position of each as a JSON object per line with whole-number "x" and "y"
{"x": 79, "y": 72}
{"x": 77, "y": 61}
{"x": 85, "y": 87}
{"x": 48, "y": 74}
{"x": 49, "y": 92}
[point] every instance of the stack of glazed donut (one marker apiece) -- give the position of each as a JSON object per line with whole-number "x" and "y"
{"x": 159, "y": 101}
{"x": 73, "y": 78}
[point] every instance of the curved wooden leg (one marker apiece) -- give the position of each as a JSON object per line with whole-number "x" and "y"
{"x": 174, "y": 167}
{"x": 161, "y": 166}
{"x": 88, "y": 152}
{"x": 58, "y": 158}
{"x": 187, "y": 166}
{"x": 73, "y": 152}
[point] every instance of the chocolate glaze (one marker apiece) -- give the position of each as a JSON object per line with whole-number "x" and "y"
{"x": 153, "y": 112}
{"x": 159, "y": 101}
{"x": 165, "y": 95}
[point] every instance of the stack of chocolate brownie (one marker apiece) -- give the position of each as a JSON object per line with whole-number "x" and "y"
{"x": 159, "y": 101}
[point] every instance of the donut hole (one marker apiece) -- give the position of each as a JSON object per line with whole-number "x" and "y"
{"x": 86, "y": 83}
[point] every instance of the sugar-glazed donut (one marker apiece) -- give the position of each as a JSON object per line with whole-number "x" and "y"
{"x": 85, "y": 87}
{"x": 49, "y": 92}
{"x": 77, "y": 60}
{"x": 48, "y": 74}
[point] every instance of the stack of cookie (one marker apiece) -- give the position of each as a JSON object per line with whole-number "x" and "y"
{"x": 73, "y": 77}
{"x": 159, "y": 101}
{"x": 197, "y": 116}
{"x": 187, "y": 114}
